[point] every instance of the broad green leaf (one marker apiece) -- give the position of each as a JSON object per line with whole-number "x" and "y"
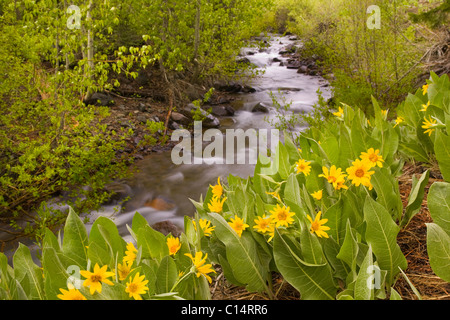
{"x": 439, "y": 92}
{"x": 412, "y": 108}
{"x": 377, "y": 113}
{"x": 361, "y": 141}
{"x": 149, "y": 268}
{"x": 345, "y": 147}
{"x": 105, "y": 235}
{"x": 415, "y": 198}
{"x": 439, "y": 204}
{"x": 99, "y": 253}
{"x": 16, "y": 292}
{"x": 248, "y": 264}
{"x": 138, "y": 222}
{"x": 395, "y": 295}
{"x": 331, "y": 147}
{"x": 442, "y": 151}
{"x": 381, "y": 235}
{"x": 261, "y": 185}
{"x": 388, "y": 194}
{"x": 228, "y": 272}
{"x": 390, "y": 145}
{"x": 423, "y": 138}
{"x": 167, "y": 275}
{"x": 153, "y": 243}
{"x": 311, "y": 247}
{"x": 51, "y": 241}
{"x": 75, "y": 239}
{"x": 331, "y": 249}
{"x": 291, "y": 148}
{"x": 313, "y": 181}
{"x": 365, "y": 282}
{"x": 337, "y": 219}
{"x": 7, "y": 279}
{"x": 349, "y": 248}
{"x": 55, "y": 275}
{"x": 292, "y": 195}
{"x": 283, "y": 161}
{"x": 438, "y": 247}
{"x": 28, "y": 274}
{"x": 313, "y": 282}
{"x": 415, "y": 151}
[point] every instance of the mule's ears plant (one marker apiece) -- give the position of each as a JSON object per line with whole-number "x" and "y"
{"x": 327, "y": 220}
{"x": 426, "y": 114}
{"x": 101, "y": 265}
{"x": 438, "y": 232}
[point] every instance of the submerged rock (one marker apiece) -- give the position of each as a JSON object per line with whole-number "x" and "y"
{"x": 222, "y": 110}
{"x": 167, "y": 227}
{"x": 100, "y": 99}
{"x": 260, "y": 107}
{"x": 160, "y": 204}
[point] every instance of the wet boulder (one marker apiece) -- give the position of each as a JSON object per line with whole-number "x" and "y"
{"x": 100, "y": 99}
{"x": 222, "y": 110}
{"x": 260, "y": 107}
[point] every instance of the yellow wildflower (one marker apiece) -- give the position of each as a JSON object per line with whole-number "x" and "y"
{"x": 430, "y": 125}
{"x": 317, "y": 226}
{"x": 262, "y": 224}
{"x": 359, "y": 173}
{"x": 335, "y": 177}
{"x": 373, "y": 157}
{"x": 205, "y": 225}
{"x": 200, "y": 266}
{"x": 130, "y": 254}
{"x": 137, "y": 286}
{"x": 303, "y": 167}
{"x": 173, "y": 244}
{"x": 282, "y": 216}
{"x": 398, "y": 121}
{"x": 425, "y": 89}
{"x": 275, "y": 195}
{"x": 340, "y": 113}
{"x": 317, "y": 195}
{"x": 271, "y": 232}
{"x": 95, "y": 279}
{"x": 217, "y": 190}
{"x": 238, "y": 225}
{"x": 425, "y": 107}
{"x": 216, "y": 205}
{"x": 124, "y": 269}
{"x": 72, "y": 294}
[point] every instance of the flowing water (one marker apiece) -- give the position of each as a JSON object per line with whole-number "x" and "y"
{"x": 160, "y": 178}
{"x": 161, "y": 190}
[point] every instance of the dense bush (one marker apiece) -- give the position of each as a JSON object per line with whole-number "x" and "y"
{"x": 365, "y": 60}
{"x": 55, "y": 56}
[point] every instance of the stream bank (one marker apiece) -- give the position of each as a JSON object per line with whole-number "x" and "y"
{"x": 160, "y": 190}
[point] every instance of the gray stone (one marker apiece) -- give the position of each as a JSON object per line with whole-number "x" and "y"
{"x": 180, "y": 118}
{"x": 100, "y": 99}
{"x": 260, "y": 108}
{"x": 222, "y": 110}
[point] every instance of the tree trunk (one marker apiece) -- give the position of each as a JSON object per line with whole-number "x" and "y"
{"x": 90, "y": 49}
{"x": 197, "y": 40}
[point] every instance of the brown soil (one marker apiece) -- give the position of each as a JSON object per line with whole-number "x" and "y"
{"x": 413, "y": 242}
